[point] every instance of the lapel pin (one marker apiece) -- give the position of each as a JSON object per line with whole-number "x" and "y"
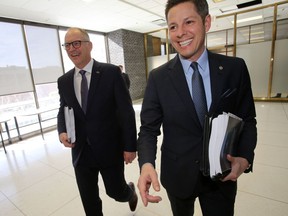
{"x": 220, "y": 67}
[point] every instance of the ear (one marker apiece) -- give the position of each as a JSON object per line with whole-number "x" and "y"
{"x": 207, "y": 22}
{"x": 90, "y": 46}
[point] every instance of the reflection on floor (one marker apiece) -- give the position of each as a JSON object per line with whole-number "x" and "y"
{"x": 37, "y": 179}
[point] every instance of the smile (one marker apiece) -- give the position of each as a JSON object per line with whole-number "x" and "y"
{"x": 185, "y": 43}
{"x": 74, "y": 54}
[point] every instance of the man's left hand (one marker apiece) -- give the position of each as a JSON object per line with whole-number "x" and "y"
{"x": 239, "y": 165}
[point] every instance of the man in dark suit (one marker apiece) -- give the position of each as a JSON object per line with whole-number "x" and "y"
{"x": 169, "y": 103}
{"x": 125, "y": 77}
{"x": 105, "y": 129}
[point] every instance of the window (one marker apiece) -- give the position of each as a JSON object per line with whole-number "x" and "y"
{"x": 44, "y": 53}
{"x": 15, "y": 76}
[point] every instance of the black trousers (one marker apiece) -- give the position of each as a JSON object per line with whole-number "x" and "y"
{"x": 216, "y": 199}
{"x": 114, "y": 182}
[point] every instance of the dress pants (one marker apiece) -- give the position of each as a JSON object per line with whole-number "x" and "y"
{"x": 114, "y": 182}
{"x": 215, "y": 198}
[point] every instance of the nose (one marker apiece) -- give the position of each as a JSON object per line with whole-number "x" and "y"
{"x": 181, "y": 31}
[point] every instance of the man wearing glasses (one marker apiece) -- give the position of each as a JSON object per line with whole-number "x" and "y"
{"x": 104, "y": 124}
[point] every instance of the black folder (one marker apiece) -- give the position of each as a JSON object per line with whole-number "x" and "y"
{"x": 221, "y": 136}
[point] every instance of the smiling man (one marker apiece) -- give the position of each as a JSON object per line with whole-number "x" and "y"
{"x": 172, "y": 100}
{"x": 104, "y": 124}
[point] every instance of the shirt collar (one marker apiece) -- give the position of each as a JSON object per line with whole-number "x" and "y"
{"x": 202, "y": 62}
{"x": 87, "y": 68}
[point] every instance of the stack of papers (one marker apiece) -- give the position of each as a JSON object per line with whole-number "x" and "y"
{"x": 70, "y": 124}
{"x": 222, "y": 135}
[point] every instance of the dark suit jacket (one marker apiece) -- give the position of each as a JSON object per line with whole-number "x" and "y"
{"x": 126, "y": 79}
{"x": 109, "y": 124}
{"x": 167, "y": 102}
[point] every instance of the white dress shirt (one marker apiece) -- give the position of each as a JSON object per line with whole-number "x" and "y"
{"x": 78, "y": 79}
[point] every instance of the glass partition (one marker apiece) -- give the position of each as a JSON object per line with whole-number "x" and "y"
{"x": 157, "y": 48}
{"x": 280, "y": 71}
{"x": 257, "y": 58}
{"x": 221, "y": 42}
{"x": 156, "y": 43}
{"x": 282, "y": 29}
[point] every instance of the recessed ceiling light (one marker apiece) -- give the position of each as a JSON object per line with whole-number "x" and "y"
{"x": 228, "y": 8}
{"x": 248, "y": 19}
{"x": 160, "y": 22}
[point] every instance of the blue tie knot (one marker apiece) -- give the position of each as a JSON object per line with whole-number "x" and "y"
{"x": 82, "y": 72}
{"x": 194, "y": 66}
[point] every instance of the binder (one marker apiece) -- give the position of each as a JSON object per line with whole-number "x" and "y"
{"x": 221, "y": 136}
{"x": 70, "y": 124}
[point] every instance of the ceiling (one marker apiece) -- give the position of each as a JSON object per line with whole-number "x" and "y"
{"x": 109, "y": 15}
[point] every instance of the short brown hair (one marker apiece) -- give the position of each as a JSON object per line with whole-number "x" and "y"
{"x": 201, "y": 7}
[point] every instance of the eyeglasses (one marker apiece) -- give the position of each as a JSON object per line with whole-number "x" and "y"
{"x": 75, "y": 44}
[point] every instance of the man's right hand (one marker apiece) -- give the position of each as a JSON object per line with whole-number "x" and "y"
{"x": 66, "y": 142}
{"x": 147, "y": 177}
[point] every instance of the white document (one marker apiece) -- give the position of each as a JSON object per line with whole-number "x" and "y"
{"x": 218, "y": 131}
{"x": 224, "y": 136}
{"x": 70, "y": 124}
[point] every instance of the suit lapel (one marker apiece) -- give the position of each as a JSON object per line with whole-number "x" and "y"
{"x": 217, "y": 71}
{"x": 179, "y": 81}
{"x": 95, "y": 76}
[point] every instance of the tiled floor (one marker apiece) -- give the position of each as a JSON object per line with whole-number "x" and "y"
{"x": 37, "y": 179}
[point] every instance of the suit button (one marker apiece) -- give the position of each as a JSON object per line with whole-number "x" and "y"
{"x": 197, "y": 161}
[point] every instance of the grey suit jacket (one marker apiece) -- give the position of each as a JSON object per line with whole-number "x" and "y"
{"x": 109, "y": 123}
{"x": 167, "y": 103}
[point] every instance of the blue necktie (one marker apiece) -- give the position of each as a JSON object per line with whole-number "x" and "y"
{"x": 198, "y": 93}
{"x": 84, "y": 90}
